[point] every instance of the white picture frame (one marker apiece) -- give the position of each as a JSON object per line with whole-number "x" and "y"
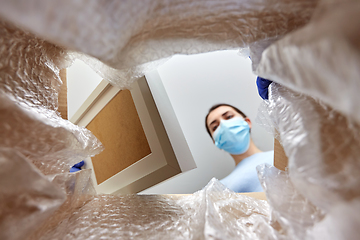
{"x": 170, "y": 153}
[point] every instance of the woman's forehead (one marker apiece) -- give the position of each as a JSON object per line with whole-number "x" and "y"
{"x": 218, "y": 112}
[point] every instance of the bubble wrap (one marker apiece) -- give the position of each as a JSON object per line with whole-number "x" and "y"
{"x": 322, "y": 59}
{"x": 317, "y": 198}
{"x": 212, "y": 213}
{"x": 128, "y": 36}
{"x": 27, "y": 198}
{"x": 318, "y": 120}
{"x": 29, "y": 122}
{"x": 322, "y": 147}
{"x": 292, "y": 214}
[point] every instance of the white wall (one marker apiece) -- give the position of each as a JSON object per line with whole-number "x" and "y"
{"x": 195, "y": 83}
{"x": 81, "y": 81}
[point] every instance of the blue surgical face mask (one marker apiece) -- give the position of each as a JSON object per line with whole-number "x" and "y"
{"x": 233, "y": 136}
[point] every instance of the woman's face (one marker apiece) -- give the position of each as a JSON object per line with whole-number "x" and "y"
{"x": 222, "y": 113}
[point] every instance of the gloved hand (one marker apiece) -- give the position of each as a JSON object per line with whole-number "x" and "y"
{"x": 77, "y": 167}
{"x": 263, "y": 85}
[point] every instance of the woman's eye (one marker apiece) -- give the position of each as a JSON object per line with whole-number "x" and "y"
{"x": 228, "y": 117}
{"x": 214, "y": 128}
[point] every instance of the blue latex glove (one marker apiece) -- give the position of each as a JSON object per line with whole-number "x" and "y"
{"x": 263, "y": 85}
{"x": 77, "y": 167}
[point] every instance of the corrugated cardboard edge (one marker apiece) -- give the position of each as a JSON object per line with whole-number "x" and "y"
{"x": 62, "y": 99}
{"x": 257, "y": 195}
{"x": 280, "y": 158}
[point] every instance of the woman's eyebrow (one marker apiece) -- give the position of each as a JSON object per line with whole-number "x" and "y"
{"x": 217, "y": 120}
{"x": 225, "y": 113}
{"x": 212, "y": 122}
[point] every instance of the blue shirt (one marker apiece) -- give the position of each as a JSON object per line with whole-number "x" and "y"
{"x": 244, "y": 177}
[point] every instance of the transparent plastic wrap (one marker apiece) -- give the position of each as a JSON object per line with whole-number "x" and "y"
{"x": 291, "y": 213}
{"x": 229, "y": 215}
{"x": 29, "y": 86}
{"x": 123, "y": 39}
{"x": 128, "y": 35}
{"x": 321, "y": 144}
{"x": 320, "y": 134}
{"x": 322, "y": 148}
{"x": 212, "y": 213}
{"x": 27, "y": 198}
{"x": 79, "y": 190}
{"x": 321, "y": 59}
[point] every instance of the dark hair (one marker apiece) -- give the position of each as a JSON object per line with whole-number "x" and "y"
{"x": 220, "y": 105}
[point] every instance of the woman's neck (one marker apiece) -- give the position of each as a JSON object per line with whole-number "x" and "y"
{"x": 251, "y": 151}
